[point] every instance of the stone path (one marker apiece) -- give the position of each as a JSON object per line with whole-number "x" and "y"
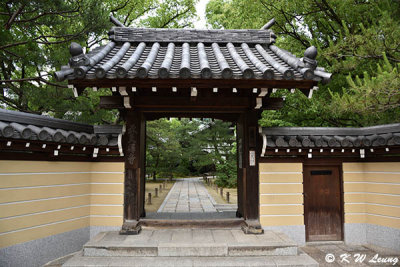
{"x": 188, "y": 195}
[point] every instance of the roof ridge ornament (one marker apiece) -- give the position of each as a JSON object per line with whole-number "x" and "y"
{"x": 116, "y": 22}
{"x": 78, "y": 58}
{"x": 309, "y": 57}
{"x": 268, "y": 25}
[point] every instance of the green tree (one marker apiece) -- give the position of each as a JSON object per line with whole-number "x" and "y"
{"x": 189, "y": 147}
{"x": 34, "y": 40}
{"x": 351, "y": 37}
{"x": 163, "y": 151}
{"x": 371, "y": 98}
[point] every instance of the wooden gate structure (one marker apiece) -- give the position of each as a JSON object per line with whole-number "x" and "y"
{"x": 222, "y": 74}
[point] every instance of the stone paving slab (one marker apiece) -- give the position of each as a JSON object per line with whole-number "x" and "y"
{"x": 203, "y": 215}
{"x": 188, "y": 195}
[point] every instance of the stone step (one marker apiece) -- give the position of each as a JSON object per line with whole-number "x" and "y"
{"x": 189, "y": 242}
{"x": 190, "y": 249}
{"x": 295, "y": 260}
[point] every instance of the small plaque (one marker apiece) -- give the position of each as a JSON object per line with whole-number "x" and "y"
{"x": 252, "y": 157}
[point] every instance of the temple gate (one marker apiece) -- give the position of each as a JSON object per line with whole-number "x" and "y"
{"x": 230, "y": 75}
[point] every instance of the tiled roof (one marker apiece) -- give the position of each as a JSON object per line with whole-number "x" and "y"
{"x": 327, "y": 137}
{"x": 31, "y": 127}
{"x": 188, "y": 53}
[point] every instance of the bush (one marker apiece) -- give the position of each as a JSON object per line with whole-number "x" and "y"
{"x": 226, "y": 174}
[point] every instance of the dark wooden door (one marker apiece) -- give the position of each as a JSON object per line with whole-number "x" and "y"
{"x": 322, "y": 203}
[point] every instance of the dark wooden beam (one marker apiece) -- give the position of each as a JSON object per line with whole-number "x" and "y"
{"x": 192, "y": 103}
{"x": 111, "y": 102}
{"x": 337, "y": 152}
{"x": 273, "y": 103}
{"x": 37, "y": 146}
{"x": 231, "y": 117}
{"x": 329, "y": 160}
{"x": 198, "y": 83}
{"x": 44, "y": 156}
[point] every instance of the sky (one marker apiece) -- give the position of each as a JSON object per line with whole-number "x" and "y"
{"x": 201, "y": 13}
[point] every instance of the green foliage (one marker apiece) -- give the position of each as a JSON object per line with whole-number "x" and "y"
{"x": 163, "y": 152}
{"x": 189, "y": 147}
{"x": 371, "y": 98}
{"x": 351, "y": 37}
{"x": 226, "y": 170}
{"x": 34, "y": 40}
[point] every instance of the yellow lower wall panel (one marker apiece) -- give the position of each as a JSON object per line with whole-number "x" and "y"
{"x": 107, "y": 178}
{"x": 107, "y": 167}
{"x": 37, "y": 197}
{"x": 373, "y": 219}
{"x": 372, "y": 198}
{"x": 372, "y": 167}
{"x": 107, "y": 199}
{"x": 106, "y": 221}
{"x": 16, "y": 223}
{"x": 281, "y": 199}
{"x": 281, "y": 220}
{"x": 281, "y": 188}
{"x": 107, "y": 188}
{"x": 357, "y": 207}
{"x": 281, "y": 167}
{"x": 374, "y": 188}
{"x": 43, "y": 179}
{"x": 355, "y": 218}
{"x": 384, "y": 221}
{"x": 15, "y": 166}
{"x": 107, "y": 210}
{"x": 281, "y": 178}
{"x": 26, "y": 235}
{"x": 372, "y": 177}
{"x": 11, "y": 195}
{"x": 42, "y": 205}
{"x": 373, "y": 209}
{"x": 291, "y": 209}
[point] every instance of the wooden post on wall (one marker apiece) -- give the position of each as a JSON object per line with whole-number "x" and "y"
{"x": 240, "y": 173}
{"x": 251, "y": 149}
{"x": 133, "y": 146}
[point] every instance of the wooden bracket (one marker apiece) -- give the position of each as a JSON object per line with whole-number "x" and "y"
{"x": 127, "y": 103}
{"x": 122, "y": 91}
{"x": 263, "y": 92}
{"x": 193, "y": 94}
{"x": 258, "y": 103}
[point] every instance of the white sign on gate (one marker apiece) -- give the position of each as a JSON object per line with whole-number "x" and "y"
{"x": 252, "y": 157}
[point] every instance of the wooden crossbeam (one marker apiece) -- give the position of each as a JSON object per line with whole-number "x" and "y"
{"x": 229, "y": 103}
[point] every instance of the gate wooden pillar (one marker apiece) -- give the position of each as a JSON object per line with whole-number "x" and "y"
{"x": 133, "y": 143}
{"x": 249, "y": 149}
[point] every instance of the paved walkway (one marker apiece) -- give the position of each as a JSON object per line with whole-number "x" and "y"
{"x": 188, "y": 195}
